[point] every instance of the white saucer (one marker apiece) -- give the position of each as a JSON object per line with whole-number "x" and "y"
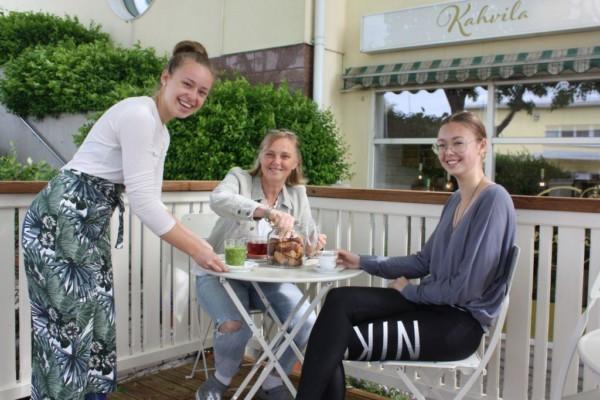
{"x": 318, "y": 268}
{"x": 258, "y": 260}
{"x": 248, "y": 266}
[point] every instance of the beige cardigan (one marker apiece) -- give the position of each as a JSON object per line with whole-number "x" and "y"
{"x": 236, "y": 198}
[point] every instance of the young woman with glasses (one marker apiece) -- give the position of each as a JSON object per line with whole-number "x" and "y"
{"x": 462, "y": 272}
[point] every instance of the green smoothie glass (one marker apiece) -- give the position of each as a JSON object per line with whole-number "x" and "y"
{"x": 235, "y": 252}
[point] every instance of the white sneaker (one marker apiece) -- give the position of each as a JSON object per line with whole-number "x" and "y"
{"x": 211, "y": 389}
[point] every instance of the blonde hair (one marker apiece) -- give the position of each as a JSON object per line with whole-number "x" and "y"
{"x": 468, "y": 120}
{"x": 296, "y": 176}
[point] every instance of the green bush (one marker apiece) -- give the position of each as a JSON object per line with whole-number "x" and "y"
{"x": 13, "y": 170}
{"x": 71, "y": 78}
{"x": 403, "y": 125}
{"x": 70, "y": 69}
{"x": 229, "y": 128}
{"x": 20, "y": 30}
{"x": 380, "y": 390}
{"x": 519, "y": 173}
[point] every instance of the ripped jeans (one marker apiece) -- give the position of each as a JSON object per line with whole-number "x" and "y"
{"x": 229, "y": 346}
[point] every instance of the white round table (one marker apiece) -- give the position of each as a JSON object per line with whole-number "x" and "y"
{"x": 272, "y": 350}
{"x": 304, "y": 274}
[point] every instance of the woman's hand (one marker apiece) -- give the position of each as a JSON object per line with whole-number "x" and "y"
{"x": 282, "y": 221}
{"x": 348, "y": 259}
{"x": 208, "y": 259}
{"x": 322, "y": 241}
{"x": 313, "y": 248}
{"x": 197, "y": 248}
{"x": 398, "y": 283}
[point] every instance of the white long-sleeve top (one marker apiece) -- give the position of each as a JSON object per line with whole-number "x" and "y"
{"x": 128, "y": 145}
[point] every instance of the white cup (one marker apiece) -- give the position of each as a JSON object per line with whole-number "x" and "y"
{"x": 327, "y": 259}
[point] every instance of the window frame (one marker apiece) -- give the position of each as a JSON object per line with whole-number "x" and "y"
{"x": 376, "y": 138}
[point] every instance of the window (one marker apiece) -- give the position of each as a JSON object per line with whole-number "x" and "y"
{"x": 409, "y": 125}
{"x": 555, "y": 150}
{"x": 573, "y": 131}
{"x": 582, "y": 133}
{"x": 556, "y": 142}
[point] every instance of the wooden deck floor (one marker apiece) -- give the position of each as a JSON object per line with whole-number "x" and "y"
{"x": 171, "y": 384}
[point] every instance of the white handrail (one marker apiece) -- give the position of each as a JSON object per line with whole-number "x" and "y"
{"x": 153, "y": 321}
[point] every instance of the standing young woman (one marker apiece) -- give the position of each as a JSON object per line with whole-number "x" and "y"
{"x": 462, "y": 267}
{"x": 66, "y": 232}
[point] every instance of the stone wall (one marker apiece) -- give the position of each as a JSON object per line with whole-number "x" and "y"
{"x": 293, "y": 64}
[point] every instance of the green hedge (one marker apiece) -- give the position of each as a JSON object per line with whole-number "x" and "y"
{"x": 57, "y": 66}
{"x": 21, "y": 30}
{"x": 71, "y": 78}
{"x": 519, "y": 173}
{"x": 12, "y": 170}
{"x": 229, "y": 128}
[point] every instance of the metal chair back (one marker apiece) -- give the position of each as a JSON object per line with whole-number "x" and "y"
{"x": 474, "y": 364}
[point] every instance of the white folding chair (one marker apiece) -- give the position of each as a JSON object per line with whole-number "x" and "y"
{"x": 474, "y": 365}
{"x": 202, "y": 225}
{"x": 588, "y": 348}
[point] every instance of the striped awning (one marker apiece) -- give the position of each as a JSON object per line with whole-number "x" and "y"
{"x": 470, "y": 69}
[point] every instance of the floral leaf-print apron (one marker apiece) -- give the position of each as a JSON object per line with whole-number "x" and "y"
{"x": 66, "y": 250}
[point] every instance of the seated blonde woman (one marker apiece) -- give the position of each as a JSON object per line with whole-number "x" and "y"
{"x": 273, "y": 190}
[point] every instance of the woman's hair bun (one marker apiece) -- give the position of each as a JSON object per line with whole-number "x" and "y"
{"x": 190, "y": 46}
{"x": 189, "y": 49}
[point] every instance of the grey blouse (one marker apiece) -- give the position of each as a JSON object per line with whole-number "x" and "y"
{"x": 462, "y": 266}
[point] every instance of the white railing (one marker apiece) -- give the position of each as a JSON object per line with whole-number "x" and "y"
{"x": 155, "y": 300}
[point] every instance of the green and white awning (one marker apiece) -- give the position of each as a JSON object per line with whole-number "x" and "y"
{"x": 470, "y": 69}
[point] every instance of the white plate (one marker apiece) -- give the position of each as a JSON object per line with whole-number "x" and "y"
{"x": 317, "y": 268}
{"x": 258, "y": 260}
{"x": 248, "y": 266}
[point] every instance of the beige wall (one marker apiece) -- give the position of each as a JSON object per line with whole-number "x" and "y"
{"x": 260, "y": 24}
{"x": 224, "y": 26}
{"x": 98, "y": 11}
{"x": 357, "y": 116}
{"x": 335, "y": 34}
{"x": 354, "y": 109}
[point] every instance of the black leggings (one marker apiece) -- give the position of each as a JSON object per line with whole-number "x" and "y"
{"x": 373, "y": 324}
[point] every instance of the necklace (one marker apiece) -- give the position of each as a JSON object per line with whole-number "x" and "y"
{"x": 265, "y": 200}
{"x": 271, "y": 204}
{"x": 461, "y": 210}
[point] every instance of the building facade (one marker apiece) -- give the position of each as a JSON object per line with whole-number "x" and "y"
{"x": 389, "y": 70}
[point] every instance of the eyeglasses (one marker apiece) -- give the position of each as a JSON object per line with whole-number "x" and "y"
{"x": 457, "y": 146}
